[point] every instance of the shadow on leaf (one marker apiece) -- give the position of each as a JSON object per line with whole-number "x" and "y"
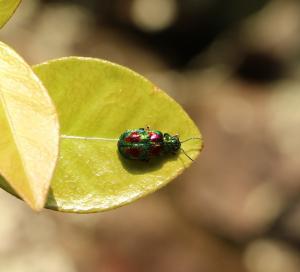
{"x": 137, "y": 167}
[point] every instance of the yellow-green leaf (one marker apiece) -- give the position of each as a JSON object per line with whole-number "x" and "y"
{"x": 96, "y": 98}
{"x": 7, "y": 9}
{"x": 29, "y": 130}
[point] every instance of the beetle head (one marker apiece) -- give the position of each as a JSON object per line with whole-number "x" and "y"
{"x": 172, "y": 143}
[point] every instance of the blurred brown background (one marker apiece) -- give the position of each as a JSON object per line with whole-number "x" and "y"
{"x": 234, "y": 66}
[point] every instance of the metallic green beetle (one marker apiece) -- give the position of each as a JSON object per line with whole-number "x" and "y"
{"x": 145, "y": 144}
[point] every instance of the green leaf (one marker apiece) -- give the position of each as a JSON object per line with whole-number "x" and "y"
{"x": 99, "y": 99}
{"x": 29, "y": 130}
{"x": 96, "y": 98}
{"x": 7, "y": 9}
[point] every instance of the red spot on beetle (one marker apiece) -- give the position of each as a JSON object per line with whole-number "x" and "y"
{"x": 154, "y": 137}
{"x": 133, "y": 152}
{"x": 134, "y": 137}
{"x": 155, "y": 150}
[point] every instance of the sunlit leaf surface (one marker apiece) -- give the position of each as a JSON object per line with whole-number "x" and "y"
{"x": 29, "y": 130}
{"x": 99, "y": 99}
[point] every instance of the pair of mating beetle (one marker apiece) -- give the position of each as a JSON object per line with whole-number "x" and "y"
{"x": 144, "y": 144}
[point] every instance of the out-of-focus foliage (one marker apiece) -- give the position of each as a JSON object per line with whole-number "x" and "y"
{"x": 177, "y": 29}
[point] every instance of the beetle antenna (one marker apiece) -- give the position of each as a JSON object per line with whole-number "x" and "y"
{"x": 87, "y": 138}
{"x": 186, "y": 154}
{"x": 193, "y": 138}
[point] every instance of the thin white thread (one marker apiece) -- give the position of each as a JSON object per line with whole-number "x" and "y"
{"x": 87, "y": 138}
